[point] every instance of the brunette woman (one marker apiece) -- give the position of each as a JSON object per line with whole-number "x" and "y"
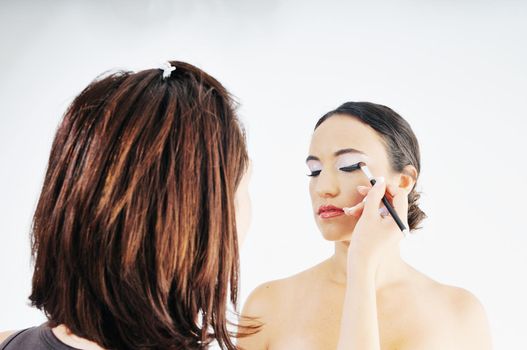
{"x": 144, "y": 202}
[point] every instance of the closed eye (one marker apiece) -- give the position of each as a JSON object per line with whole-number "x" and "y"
{"x": 350, "y": 168}
{"x": 314, "y": 173}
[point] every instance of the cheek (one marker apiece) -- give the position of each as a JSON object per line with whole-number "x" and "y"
{"x": 311, "y": 185}
{"x": 312, "y": 189}
{"x": 349, "y": 185}
{"x": 243, "y": 211}
{"x": 349, "y": 191}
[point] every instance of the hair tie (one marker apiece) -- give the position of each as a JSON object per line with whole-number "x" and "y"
{"x": 167, "y": 69}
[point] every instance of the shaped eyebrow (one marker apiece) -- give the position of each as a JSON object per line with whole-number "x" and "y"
{"x": 337, "y": 153}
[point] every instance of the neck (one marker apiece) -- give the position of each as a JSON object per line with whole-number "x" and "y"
{"x": 391, "y": 269}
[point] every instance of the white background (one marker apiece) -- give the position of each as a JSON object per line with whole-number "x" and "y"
{"x": 456, "y": 70}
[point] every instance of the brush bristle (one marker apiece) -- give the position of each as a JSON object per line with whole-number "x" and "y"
{"x": 366, "y": 170}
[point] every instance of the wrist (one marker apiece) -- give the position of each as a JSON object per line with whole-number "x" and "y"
{"x": 361, "y": 268}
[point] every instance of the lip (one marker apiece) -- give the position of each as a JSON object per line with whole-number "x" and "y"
{"x": 329, "y": 211}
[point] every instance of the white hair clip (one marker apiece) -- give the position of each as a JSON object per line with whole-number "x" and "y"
{"x": 167, "y": 69}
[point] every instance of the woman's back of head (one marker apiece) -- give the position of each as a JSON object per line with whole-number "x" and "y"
{"x": 134, "y": 235}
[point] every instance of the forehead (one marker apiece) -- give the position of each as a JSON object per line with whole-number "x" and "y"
{"x": 344, "y": 131}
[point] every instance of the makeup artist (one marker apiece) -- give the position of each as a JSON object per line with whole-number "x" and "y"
{"x": 144, "y": 203}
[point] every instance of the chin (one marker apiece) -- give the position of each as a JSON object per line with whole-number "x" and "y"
{"x": 334, "y": 233}
{"x": 336, "y": 237}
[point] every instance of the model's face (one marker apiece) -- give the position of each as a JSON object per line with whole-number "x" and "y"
{"x": 339, "y": 142}
{"x": 242, "y": 205}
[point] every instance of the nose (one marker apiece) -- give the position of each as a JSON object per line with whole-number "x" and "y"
{"x": 327, "y": 185}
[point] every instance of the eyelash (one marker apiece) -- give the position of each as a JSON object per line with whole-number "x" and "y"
{"x": 347, "y": 169}
{"x": 314, "y": 173}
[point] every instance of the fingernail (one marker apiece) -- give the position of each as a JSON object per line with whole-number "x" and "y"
{"x": 349, "y": 211}
{"x": 379, "y": 180}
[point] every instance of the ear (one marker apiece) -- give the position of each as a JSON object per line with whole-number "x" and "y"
{"x": 408, "y": 178}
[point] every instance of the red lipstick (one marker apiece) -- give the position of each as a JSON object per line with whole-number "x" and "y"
{"x": 329, "y": 211}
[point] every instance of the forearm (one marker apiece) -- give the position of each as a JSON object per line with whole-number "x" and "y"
{"x": 359, "y": 328}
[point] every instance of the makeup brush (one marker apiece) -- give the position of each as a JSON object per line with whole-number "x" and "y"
{"x": 385, "y": 201}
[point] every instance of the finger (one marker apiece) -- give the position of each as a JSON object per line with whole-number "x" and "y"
{"x": 399, "y": 202}
{"x": 358, "y": 211}
{"x": 391, "y": 191}
{"x": 373, "y": 199}
{"x": 355, "y": 211}
{"x": 363, "y": 189}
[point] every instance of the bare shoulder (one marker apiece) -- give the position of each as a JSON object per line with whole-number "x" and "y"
{"x": 268, "y": 297}
{"x": 446, "y": 316}
{"x": 470, "y": 319}
{"x": 465, "y": 304}
{"x": 465, "y": 317}
{"x": 272, "y": 296}
{"x": 267, "y": 308}
{"x": 5, "y": 335}
{"x": 258, "y": 313}
{"x": 261, "y": 299}
{"x": 460, "y": 302}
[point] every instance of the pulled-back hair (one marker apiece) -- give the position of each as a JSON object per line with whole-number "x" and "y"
{"x": 400, "y": 142}
{"x": 134, "y": 235}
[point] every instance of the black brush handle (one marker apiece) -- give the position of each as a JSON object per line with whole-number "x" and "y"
{"x": 391, "y": 210}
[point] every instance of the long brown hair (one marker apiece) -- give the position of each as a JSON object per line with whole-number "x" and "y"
{"x": 134, "y": 235}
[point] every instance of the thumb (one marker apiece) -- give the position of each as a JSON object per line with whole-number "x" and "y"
{"x": 374, "y": 197}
